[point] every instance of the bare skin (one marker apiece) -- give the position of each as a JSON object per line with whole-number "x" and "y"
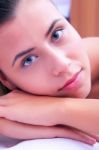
{"x": 63, "y": 62}
{"x": 12, "y": 106}
{"x": 25, "y": 127}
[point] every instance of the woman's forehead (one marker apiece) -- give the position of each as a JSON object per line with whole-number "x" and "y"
{"x": 36, "y": 8}
{"x": 35, "y": 15}
{"x": 34, "y": 19}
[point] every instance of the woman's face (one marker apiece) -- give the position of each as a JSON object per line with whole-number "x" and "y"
{"x": 42, "y": 54}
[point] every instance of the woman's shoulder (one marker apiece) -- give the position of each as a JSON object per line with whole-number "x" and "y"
{"x": 92, "y": 46}
{"x": 92, "y": 43}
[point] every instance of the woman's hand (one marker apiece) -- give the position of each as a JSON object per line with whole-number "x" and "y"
{"x": 25, "y": 114}
{"x": 24, "y": 131}
{"x": 26, "y": 108}
{"x": 37, "y": 111}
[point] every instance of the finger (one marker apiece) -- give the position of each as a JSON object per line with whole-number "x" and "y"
{"x": 95, "y": 136}
{"x": 76, "y": 135}
{"x": 5, "y": 100}
{"x": 84, "y": 137}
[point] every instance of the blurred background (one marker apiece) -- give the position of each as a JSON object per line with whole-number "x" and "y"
{"x": 82, "y": 14}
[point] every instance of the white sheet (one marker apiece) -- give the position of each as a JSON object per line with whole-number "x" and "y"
{"x": 45, "y": 144}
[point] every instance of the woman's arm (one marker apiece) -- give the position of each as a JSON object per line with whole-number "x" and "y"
{"x": 49, "y": 111}
{"x": 24, "y": 131}
{"x": 81, "y": 114}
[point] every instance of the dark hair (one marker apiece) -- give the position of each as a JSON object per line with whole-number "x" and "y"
{"x": 7, "y": 9}
{"x": 3, "y": 90}
{"x": 7, "y": 12}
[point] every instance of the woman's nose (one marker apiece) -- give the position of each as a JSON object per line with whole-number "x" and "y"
{"x": 61, "y": 65}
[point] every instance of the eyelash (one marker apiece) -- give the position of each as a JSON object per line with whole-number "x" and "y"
{"x": 27, "y": 59}
{"x": 61, "y": 30}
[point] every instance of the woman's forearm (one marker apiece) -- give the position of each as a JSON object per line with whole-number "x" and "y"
{"x": 81, "y": 114}
{"x": 19, "y": 130}
{"x": 48, "y": 111}
{"x": 25, "y": 131}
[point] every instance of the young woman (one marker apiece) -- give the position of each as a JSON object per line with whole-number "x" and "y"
{"x": 42, "y": 54}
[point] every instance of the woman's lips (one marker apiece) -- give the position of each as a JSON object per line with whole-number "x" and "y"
{"x": 70, "y": 82}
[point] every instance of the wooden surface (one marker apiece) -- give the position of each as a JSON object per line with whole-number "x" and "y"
{"x": 85, "y": 17}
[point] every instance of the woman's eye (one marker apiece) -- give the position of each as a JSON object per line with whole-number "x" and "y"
{"x": 29, "y": 60}
{"x": 57, "y": 34}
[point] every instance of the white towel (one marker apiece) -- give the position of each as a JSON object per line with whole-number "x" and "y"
{"x": 45, "y": 144}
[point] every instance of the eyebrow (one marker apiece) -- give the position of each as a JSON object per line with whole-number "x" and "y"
{"x": 24, "y": 52}
{"x": 52, "y": 26}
